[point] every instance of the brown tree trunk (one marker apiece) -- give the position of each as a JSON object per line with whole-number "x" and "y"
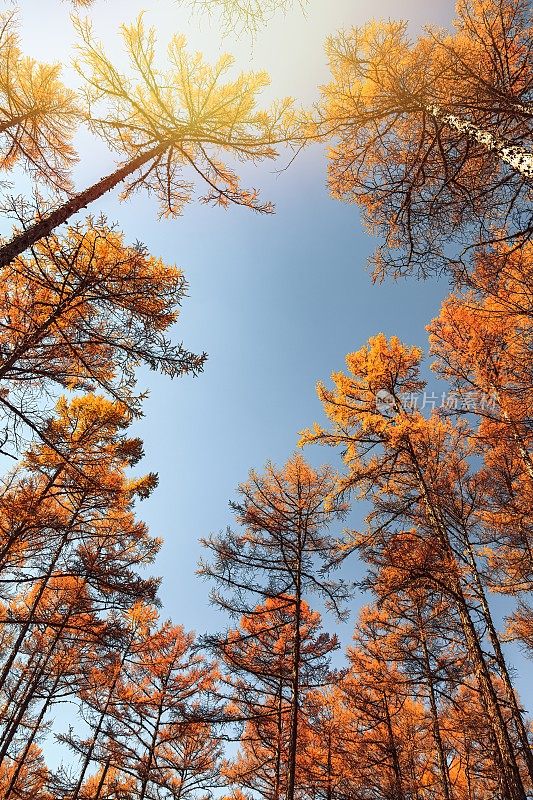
{"x": 36, "y": 726}
{"x": 94, "y": 739}
{"x": 44, "y": 226}
{"x": 396, "y": 768}
{"x": 295, "y": 699}
{"x": 441, "y": 756}
{"x": 518, "y": 720}
{"x": 25, "y": 627}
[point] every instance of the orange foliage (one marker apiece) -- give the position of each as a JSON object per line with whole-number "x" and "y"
{"x": 432, "y": 137}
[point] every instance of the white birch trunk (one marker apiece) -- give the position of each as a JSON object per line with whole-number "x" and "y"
{"x": 518, "y": 158}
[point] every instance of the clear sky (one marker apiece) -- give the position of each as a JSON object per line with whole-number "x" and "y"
{"x": 276, "y": 301}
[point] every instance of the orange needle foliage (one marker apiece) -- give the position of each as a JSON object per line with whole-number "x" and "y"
{"x": 482, "y": 340}
{"x": 259, "y": 657}
{"x": 283, "y": 553}
{"x": 432, "y": 140}
{"x": 416, "y": 473}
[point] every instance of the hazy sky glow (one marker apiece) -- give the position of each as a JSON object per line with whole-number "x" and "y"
{"x": 276, "y": 302}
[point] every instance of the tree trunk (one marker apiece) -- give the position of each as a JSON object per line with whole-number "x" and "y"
{"x": 44, "y": 226}
{"x": 441, "y": 756}
{"x": 25, "y": 627}
{"x": 520, "y": 726}
{"x": 518, "y": 158}
{"x": 22, "y": 759}
{"x": 97, "y": 730}
{"x": 279, "y": 744}
{"x": 32, "y": 685}
{"x": 295, "y": 699}
{"x": 396, "y": 768}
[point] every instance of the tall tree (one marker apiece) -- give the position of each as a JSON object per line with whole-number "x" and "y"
{"x": 145, "y": 716}
{"x": 283, "y": 551}
{"x": 258, "y": 665}
{"x": 482, "y": 341}
{"x": 85, "y": 525}
{"x": 416, "y": 473}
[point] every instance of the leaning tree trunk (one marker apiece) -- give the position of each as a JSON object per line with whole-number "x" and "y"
{"x": 45, "y": 225}
{"x": 12, "y": 789}
{"x": 516, "y": 711}
{"x": 44, "y": 582}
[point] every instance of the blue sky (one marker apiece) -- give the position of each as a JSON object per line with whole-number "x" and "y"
{"x": 276, "y": 301}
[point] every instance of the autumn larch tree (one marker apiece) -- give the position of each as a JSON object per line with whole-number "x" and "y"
{"x": 415, "y": 471}
{"x": 67, "y": 634}
{"x": 169, "y": 127}
{"x": 102, "y": 683}
{"x": 416, "y": 629}
{"x": 147, "y": 725}
{"x": 482, "y": 341}
{"x": 381, "y": 742}
{"x": 283, "y": 550}
{"x": 72, "y": 554}
{"x": 432, "y": 138}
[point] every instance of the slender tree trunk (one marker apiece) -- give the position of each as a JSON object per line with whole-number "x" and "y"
{"x": 279, "y": 744}
{"x": 295, "y": 702}
{"x": 295, "y": 699}
{"x": 17, "y": 719}
{"x": 25, "y": 627}
{"x": 44, "y": 226}
{"x": 396, "y": 768}
{"x": 102, "y": 780}
{"x": 435, "y": 724}
{"x": 153, "y": 746}
{"x": 13, "y": 122}
{"x": 94, "y": 739}
{"x": 12, "y": 693}
{"x": 32, "y": 685}
{"x": 329, "y": 785}
{"x": 466, "y": 746}
{"x": 38, "y": 722}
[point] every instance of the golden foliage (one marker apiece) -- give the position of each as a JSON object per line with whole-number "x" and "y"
{"x": 38, "y": 114}
{"x": 190, "y": 114}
